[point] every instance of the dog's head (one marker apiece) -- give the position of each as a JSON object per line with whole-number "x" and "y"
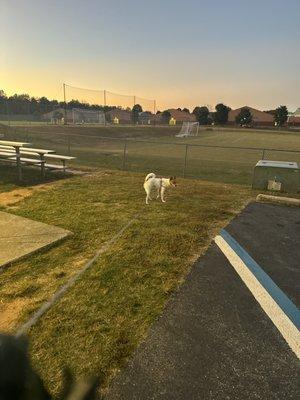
{"x": 172, "y": 181}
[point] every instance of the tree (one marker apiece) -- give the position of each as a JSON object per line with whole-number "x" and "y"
{"x": 186, "y": 110}
{"x": 281, "y": 115}
{"x": 136, "y": 110}
{"x": 201, "y": 114}
{"x": 244, "y": 117}
{"x": 221, "y": 114}
{"x": 57, "y": 115}
{"x": 3, "y": 102}
{"x": 44, "y": 105}
{"x": 166, "y": 116}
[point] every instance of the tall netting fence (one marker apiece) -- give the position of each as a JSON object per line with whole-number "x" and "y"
{"x": 122, "y": 101}
{"x": 117, "y": 108}
{"x": 83, "y": 98}
{"x": 77, "y": 106}
{"x": 83, "y": 106}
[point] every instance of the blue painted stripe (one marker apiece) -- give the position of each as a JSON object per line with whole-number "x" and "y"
{"x": 274, "y": 291}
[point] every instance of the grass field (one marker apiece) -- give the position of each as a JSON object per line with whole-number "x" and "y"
{"x": 100, "y": 321}
{"x": 156, "y": 148}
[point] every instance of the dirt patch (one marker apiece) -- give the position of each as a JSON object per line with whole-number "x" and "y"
{"x": 10, "y": 313}
{"x": 17, "y": 195}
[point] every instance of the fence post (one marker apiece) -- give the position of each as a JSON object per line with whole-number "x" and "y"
{"x": 263, "y": 154}
{"x": 69, "y": 145}
{"x": 185, "y": 159}
{"x": 124, "y": 154}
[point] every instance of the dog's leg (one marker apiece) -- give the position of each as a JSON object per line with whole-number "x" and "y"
{"x": 158, "y": 193}
{"x": 162, "y": 191}
{"x": 147, "y": 196}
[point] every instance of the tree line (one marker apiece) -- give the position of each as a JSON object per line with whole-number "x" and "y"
{"x": 24, "y": 104}
{"x": 220, "y": 115}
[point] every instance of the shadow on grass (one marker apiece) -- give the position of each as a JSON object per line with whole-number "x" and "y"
{"x": 31, "y": 177}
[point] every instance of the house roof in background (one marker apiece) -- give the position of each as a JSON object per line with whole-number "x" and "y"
{"x": 257, "y": 115}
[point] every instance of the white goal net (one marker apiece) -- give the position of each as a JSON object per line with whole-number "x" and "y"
{"x": 81, "y": 116}
{"x": 188, "y": 129}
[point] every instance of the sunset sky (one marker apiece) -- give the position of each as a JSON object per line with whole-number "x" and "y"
{"x": 182, "y": 53}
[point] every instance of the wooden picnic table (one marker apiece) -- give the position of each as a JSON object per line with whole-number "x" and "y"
{"x": 16, "y": 146}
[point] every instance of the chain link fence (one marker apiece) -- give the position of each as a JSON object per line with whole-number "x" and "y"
{"x": 226, "y": 164}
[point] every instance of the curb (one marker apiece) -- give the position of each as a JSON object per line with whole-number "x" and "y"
{"x": 289, "y": 201}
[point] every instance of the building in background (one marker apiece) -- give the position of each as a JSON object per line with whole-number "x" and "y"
{"x": 177, "y": 115}
{"x": 259, "y": 118}
{"x": 146, "y": 118}
{"x": 294, "y": 118}
{"x": 124, "y": 116}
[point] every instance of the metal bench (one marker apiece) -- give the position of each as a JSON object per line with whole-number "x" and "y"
{"x": 16, "y": 146}
{"x": 15, "y": 152}
{"x": 62, "y": 158}
{"x": 26, "y": 160}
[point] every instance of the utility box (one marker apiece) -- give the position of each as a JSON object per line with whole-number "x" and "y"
{"x": 277, "y": 175}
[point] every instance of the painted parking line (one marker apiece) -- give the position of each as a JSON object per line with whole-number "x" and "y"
{"x": 279, "y": 308}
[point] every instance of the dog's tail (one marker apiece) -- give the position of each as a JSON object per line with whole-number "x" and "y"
{"x": 149, "y": 176}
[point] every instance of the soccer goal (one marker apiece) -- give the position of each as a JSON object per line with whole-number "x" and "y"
{"x": 188, "y": 129}
{"x": 81, "y": 116}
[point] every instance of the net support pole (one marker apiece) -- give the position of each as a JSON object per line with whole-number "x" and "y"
{"x": 154, "y": 111}
{"x": 185, "y": 160}
{"x": 64, "y": 89}
{"x": 104, "y": 102}
{"x": 124, "y": 155}
{"x": 132, "y": 116}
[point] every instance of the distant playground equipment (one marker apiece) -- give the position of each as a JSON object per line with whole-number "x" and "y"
{"x": 280, "y": 176}
{"x": 188, "y": 129}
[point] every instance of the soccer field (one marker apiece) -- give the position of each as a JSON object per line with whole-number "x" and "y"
{"x": 220, "y": 155}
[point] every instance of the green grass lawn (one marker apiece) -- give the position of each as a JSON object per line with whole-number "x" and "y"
{"x": 156, "y": 149}
{"x": 101, "y": 320}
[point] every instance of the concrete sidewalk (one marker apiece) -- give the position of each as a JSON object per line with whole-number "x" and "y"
{"x": 20, "y": 237}
{"x": 213, "y": 340}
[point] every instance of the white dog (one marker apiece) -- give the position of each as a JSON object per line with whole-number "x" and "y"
{"x": 152, "y": 182}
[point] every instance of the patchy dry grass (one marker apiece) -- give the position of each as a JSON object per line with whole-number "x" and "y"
{"x": 99, "y": 322}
